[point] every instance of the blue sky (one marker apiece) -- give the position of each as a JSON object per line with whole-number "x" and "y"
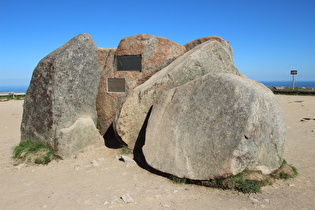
{"x": 268, "y": 37}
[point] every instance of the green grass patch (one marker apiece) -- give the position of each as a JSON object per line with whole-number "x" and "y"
{"x": 8, "y": 98}
{"x": 125, "y": 150}
{"x": 286, "y": 171}
{"x": 247, "y": 181}
{"x": 178, "y": 180}
{"x": 31, "y": 151}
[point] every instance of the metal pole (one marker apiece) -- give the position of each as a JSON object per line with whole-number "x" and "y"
{"x": 293, "y": 81}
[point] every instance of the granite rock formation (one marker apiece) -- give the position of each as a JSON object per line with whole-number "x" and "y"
{"x": 156, "y": 53}
{"x": 62, "y": 91}
{"x": 208, "y": 57}
{"x": 215, "y": 126}
{"x": 206, "y": 120}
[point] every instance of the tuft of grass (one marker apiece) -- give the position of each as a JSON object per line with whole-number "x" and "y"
{"x": 125, "y": 150}
{"x": 286, "y": 171}
{"x": 31, "y": 151}
{"x": 241, "y": 182}
{"x": 247, "y": 181}
{"x": 284, "y": 175}
{"x": 249, "y": 186}
{"x": 178, "y": 180}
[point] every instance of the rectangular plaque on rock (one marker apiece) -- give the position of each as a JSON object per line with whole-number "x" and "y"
{"x": 128, "y": 62}
{"x": 116, "y": 85}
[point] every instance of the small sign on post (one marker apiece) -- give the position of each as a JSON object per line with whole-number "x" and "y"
{"x": 293, "y": 72}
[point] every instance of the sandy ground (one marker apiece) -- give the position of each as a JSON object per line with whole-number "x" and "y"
{"x": 78, "y": 184}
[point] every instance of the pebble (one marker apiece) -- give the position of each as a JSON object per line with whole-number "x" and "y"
{"x": 165, "y": 205}
{"x": 127, "y": 198}
{"x": 129, "y": 161}
{"x": 22, "y": 165}
{"x": 253, "y": 200}
{"x": 111, "y": 200}
{"x": 266, "y": 200}
{"x": 94, "y": 163}
{"x": 77, "y": 167}
{"x": 106, "y": 203}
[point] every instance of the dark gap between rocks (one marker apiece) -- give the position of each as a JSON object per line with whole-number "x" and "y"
{"x": 138, "y": 153}
{"x": 112, "y": 140}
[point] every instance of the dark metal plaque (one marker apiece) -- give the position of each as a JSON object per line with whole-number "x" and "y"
{"x": 116, "y": 85}
{"x": 294, "y": 72}
{"x": 128, "y": 62}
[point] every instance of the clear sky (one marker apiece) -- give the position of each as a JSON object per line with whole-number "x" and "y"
{"x": 268, "y": 37}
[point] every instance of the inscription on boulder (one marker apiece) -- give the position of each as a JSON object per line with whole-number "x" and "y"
{"x": 128, "y": 62}
{"x": 116, "y": 85}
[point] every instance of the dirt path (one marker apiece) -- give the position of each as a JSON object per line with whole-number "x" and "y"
{"x": 78, "y": 184}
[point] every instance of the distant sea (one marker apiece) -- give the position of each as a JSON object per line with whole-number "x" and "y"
{"x": 13, "y": 88}
{"x": 311, "y": 84}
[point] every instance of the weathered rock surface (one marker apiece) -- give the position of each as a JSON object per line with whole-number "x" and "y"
{"x": 215, "y": 126}
{"x": 156, "y": 53}
{"x": 76, "y": 137}
{"x": 107, "y": 103}
{"x": 63, "y": 90}
{"x": 208, "y": 57}
{"x": 198, "y": 41}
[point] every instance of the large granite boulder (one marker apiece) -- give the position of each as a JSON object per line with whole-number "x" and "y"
{"x": 61, "y": 99}
{"x": 156, "y": 53}
{"x": 208, "y": 57}
{"x": 214, "y": 127}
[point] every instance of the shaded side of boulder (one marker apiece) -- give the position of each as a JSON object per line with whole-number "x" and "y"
{"x": 209, "y": 57}
{"x": 156, "y": 53}
{"x": 214, "y": 127}
{"x": 106, "y": 103}
{"x": 63, "y": 89}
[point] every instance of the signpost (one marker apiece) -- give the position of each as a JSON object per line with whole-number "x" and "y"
{"x": 293, "y": 72}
